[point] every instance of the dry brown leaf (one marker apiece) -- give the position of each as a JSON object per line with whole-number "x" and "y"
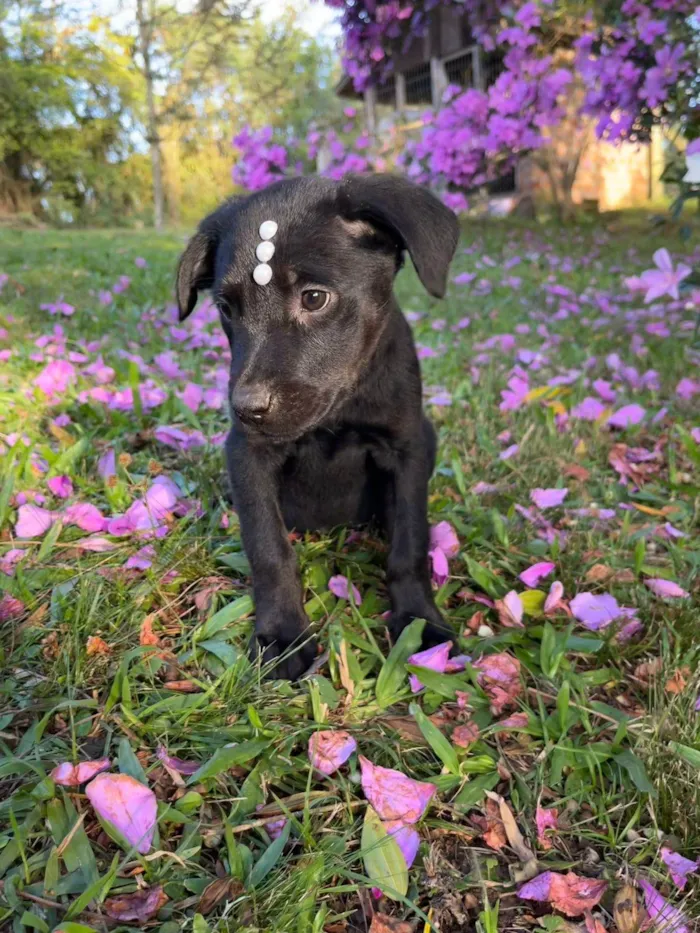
{"x": 139, "y": 906}
{"x": 219, "y": 890}
{"x": 577, "y": 472}
{"x": 465, "y": 735}
{"x": 626, "y": 910}
{"x": 50, "y": 647}
{"x": 182, "y": 686}
{"x": 406, "y": 726}
{"x": 678, "y": 682}
{"x": 597, "y": 573}
{"x": 146, "y": 635}
{"x": 515, "y": 837}
{"x": 96, "y": 646}
{"x": 383, "y": 923}
{"x": 648, "y": 669}
{"x": 344, "y": 671}
{"x": 493, "y": 832}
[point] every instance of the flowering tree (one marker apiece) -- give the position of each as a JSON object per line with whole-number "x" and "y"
{"x": 620, "y": 66}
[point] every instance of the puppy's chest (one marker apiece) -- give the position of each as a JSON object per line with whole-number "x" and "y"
{"x": 333, "y": 479}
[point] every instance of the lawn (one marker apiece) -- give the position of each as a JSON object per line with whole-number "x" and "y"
{"x": 567, "y": 741}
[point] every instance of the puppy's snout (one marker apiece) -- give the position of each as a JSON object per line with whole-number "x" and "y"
{"x": 252, "y": 403}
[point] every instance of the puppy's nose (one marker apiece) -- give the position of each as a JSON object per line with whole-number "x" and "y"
{"x": 251, "y": 403}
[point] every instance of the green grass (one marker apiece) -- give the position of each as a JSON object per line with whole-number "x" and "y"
{"x": 603, "y": 742}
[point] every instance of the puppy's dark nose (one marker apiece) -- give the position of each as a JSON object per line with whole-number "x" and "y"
{"x": 251, "y": 403}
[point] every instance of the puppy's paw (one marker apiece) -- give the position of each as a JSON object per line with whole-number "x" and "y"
{"x": 286, "y": 648}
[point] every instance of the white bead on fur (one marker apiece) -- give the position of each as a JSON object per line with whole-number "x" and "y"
{"x": 268, "y": 228}
{"x": 262, "y": 274}
{"x": 265, "y": 251}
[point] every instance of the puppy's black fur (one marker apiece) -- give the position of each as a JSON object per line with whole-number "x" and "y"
{"x": 328, "y": 426}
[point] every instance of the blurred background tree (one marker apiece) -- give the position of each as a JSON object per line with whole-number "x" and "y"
{"x": 124, "y": 114}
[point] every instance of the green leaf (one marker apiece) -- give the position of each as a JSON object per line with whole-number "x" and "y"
{"x": 392, "y": 677}
{"x": 445, "y": 685}
{"x": 129, "y": 763}
{"x": 227, "y": 757}
{"x": 384, "y": 863}
{"x": 688, "y": 754}
{"x": 475, "y": 790}
{"x": 235, "y": 611}
{"x": 485, "y": 578}
{"x": 634, "y": 766}
{"x": 29, "y": 919}
{"x": 200, "y": 925}
{"x": 69, "y": 458}
{"x": 269, "y": 858}
{"x": 444, "y": 750}
{"x": 533, "y": 602}
{"x": 563, "y": 700}
{"x": 6, "y": 493}
{"x": 68, "y": 927}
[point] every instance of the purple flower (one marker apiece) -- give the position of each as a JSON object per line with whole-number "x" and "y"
{"x": 340, "y": 587}
{"x": 330, "y": 749}
{"x": 85, "y": 516}
{"x": 56, "y": 377}
{"x": 142, "y": 559}
{"x": 509, "y": 452}
{"x": 33, "y": 521}
{"x": 595, "y": 611}
{"x": 687, "y": 388}
{"x": 666, "y": 589}
{"x": 590, "y": 409}
{"x": 444, "y": 543}
{"x": 664, "y": 916}
{"x": 434, "y": 659}
{"x": 678, "y": 866}
{"x": 442, "y": 399}
{"x": 107, "y": 464}
{"x": 140, "y": 262}
{"x": 627, "y": 416}
{"x": 548, "y": 498}
{"x": 60, "y": 486}
{"x": 664, "y": 280}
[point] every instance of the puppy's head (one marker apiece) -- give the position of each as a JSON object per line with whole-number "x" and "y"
{"x": 299, "y": 342}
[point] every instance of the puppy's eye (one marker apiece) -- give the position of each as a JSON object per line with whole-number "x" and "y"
{"x": 314, "y": 299}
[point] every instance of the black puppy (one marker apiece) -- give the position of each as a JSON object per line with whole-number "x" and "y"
{"x": 325, "y": 389}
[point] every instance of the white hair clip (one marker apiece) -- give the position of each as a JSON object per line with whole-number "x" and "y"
{"x": 262, "y": 273}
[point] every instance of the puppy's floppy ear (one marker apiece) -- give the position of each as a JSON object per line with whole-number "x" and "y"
{"x": 418, "y": 220}
{"x": 195, "y": 270}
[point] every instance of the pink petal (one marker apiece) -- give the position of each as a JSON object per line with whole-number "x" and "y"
{"x": 443, "y": 536}
{"x": 499, "y": 677}
{"x": 510, "y": 610}
{"x": 60, "y": 486}
{"x": 554, "y": 597}
{"x": 177, "y": 764}
{"x": 548, "y": 498}
{"x": 665, "y": 916}
{"x": 107, "y": 464}
{"x": 627, "y": 416}
{"x": 338, "y": 585}
{"x": 434, "y": 659}
{"x": 545, "y": 819}
{"x": 85, "y": 516}
{"x": 10, "y": 607}
{"x": 68, "y": 775}
{"x": 33, "y": 521}
{"x": 127, "y": 805}
{"x": 570, "y": 893}
{"x": 666, "y": 589}
{"x": 142, "y": 559}
{"x": 679, "y": 866}
{"x": 441, "y": 568}
{"x": 393, "y": 795}
{"x": 662, "y": 258}
{"x": 95, "y": 543}
{"x": 533, "y": 575}
{"x": 406, "y": 837}
{"x": 330, "y": 749}
{"x": 595, "y": 611}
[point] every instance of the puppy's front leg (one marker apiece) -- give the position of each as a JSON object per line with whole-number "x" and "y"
{"x": 280, "y": 621}
{"x": 408, "y": 574}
